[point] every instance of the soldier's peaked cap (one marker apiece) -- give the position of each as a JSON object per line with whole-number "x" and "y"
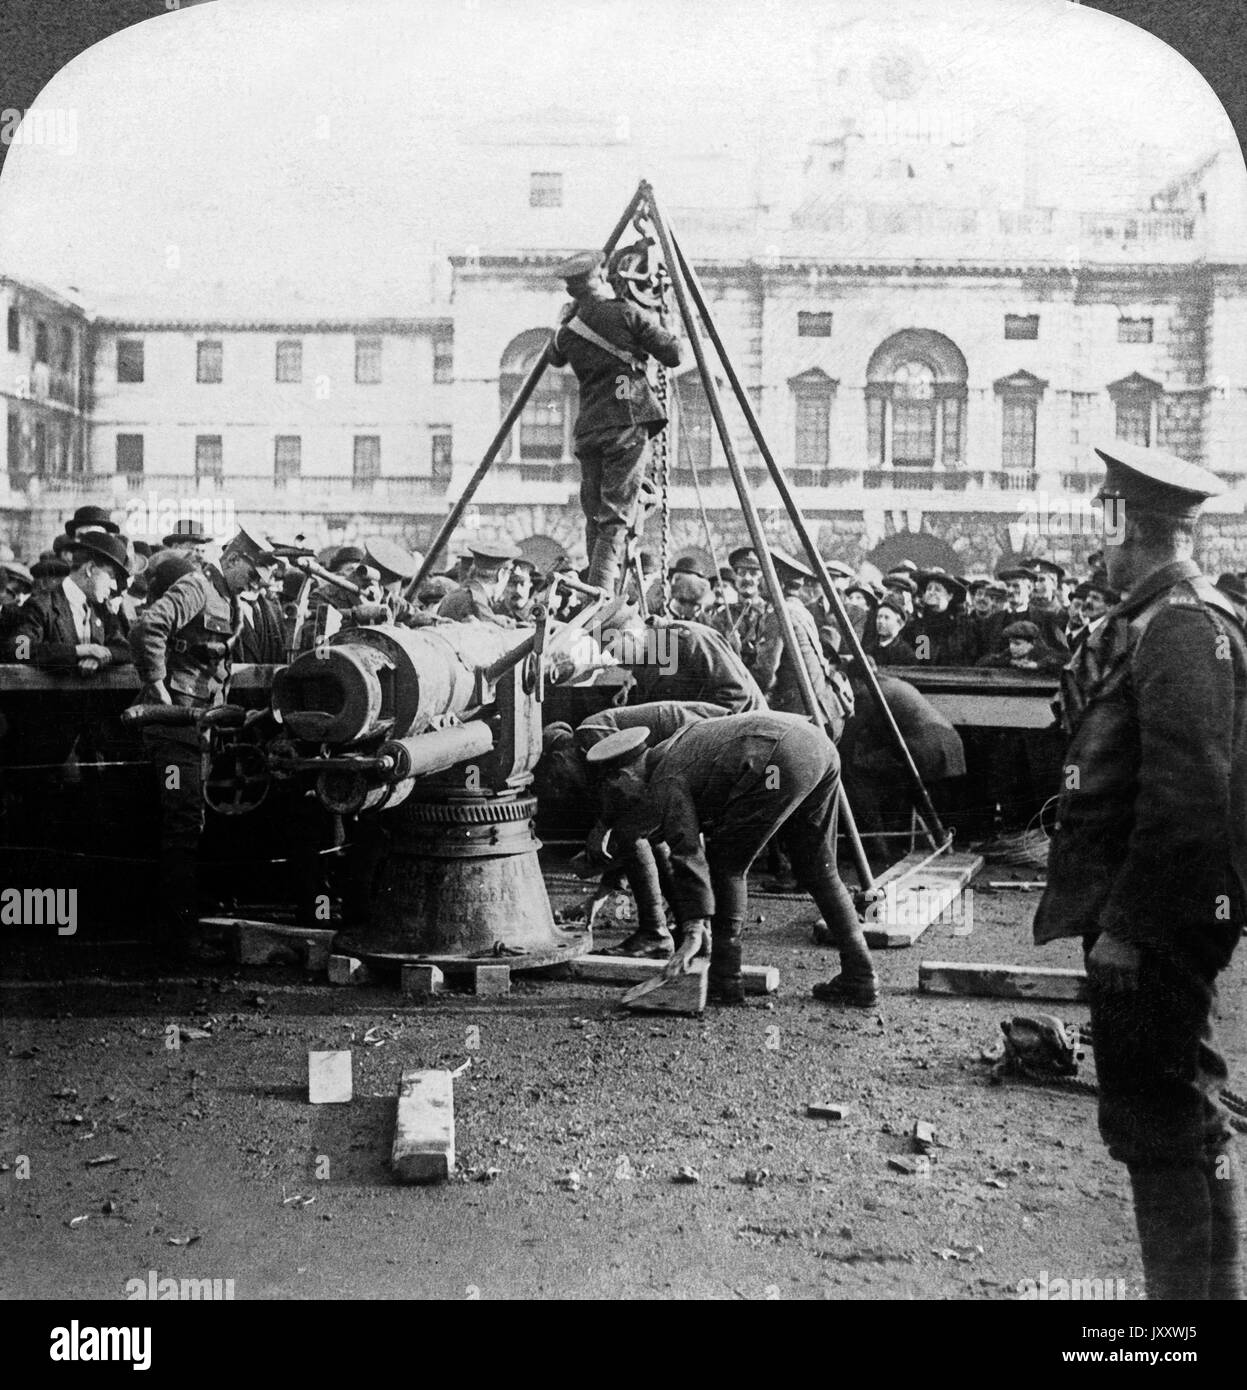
{"x": 1048, "y": 567}
{"x": 390, "y": 558}
{"x": 1016, "y": 572}
{"x": 744, "y": 558}
{"x": 788, "y": 564}
{"x": 617, "y": 750}
{"x": 495, "y": 553}
{"x": 1155, "y": 480}
{"x": 580, "y": 266}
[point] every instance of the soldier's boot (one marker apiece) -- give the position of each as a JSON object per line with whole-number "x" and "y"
{"x": 604, "y": 562}
{"x": 857, "y": 983}
{"x": 1172, "y": 1212}
{"x": 1225, "y": 1280}
{"x": 726, "y": 982}
{"x": 651, "y": 939}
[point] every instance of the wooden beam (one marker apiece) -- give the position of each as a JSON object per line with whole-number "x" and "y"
{"x": 1000, "y": 981}
{"x": 684, "y": 994}
{"x": 916, "y": 893}
{"x": 424, "y": 1135}
{"x": 624, "y": 970}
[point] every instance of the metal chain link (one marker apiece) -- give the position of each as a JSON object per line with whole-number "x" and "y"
{"x": 662, "y": 467}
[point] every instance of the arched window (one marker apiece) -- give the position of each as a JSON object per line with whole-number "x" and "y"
{"x": 1136, "y": 402}
{"x": 545, "y": 426}
{"x": 915, "y": 401}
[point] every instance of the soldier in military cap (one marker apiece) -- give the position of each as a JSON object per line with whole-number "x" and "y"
{"x": 608, "y": 342}
{"x": 690, "y": 598}
{"x": 182, "y": 647}
{"x": 777, "y": 671}
{"x": 519, "y": 596}
{"x": 735, "y": 782}
{"x": 481, "y": 595}
{"x": 1149, "y": 864}
{"x": 740, "y": 622}
{"x": 1046, "y": 610}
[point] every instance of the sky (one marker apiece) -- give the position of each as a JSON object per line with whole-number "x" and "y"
{"x": 247, "y": 154}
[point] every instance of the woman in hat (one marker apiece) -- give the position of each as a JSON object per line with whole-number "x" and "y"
{"x": 942, "y": 634}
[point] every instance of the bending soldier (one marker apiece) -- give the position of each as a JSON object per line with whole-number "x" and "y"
{"x": 735, "y": 781}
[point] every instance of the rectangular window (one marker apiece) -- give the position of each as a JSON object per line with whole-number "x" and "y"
{"x": 443, "y": 457}
{"x": 41, "y": 341}
{"x": 952, "y": 429}
{"x": 367, "y": 361}
{"x": 443, "y": 359}
{"x": 15, "y": 331}
{"x": 1018, "y": 449}
{"x": 545, "y": 190}
{"x": 543, "y": 423}
{"x": 16, "y": 459}
{"x": 287, "y": 458}
{"x": 1134, "y": 419}
{"x": 1021, "y": 325}
{"x": 367, "y": 462}
{"x": 913, "y": 433}
{"x": 129, "y": 359}
{"x": 130, "y": 455}
{"x": 290, "y": 360}
{"x": 1134, "y": 330}
{"x": 812, "y": 325}
{"x": 67, "y": 350}
{"x": 41, "y": 447}
{"x": 813, "y": 430}
{"x": 874, "y": 429}
{"x": 208, "y": 457}
{"x": 208, "y": 362}
{"x": 696, "y": 425}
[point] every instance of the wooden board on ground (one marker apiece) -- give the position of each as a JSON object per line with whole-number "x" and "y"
{"x": 627, "y": 970}
{"x": 424, "y": 1134}
{"x": 1000, "y": 981}
{"x": 916, "y": 894}
{"x": 683, "y": 994}
{"x": 268, "y": 943}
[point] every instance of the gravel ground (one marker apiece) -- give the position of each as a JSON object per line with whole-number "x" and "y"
{"x": 572, "y": 1124}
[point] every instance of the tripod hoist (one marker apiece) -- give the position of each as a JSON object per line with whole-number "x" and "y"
{"x": 652, "y": 271}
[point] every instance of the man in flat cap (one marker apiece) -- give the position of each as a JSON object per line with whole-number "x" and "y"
{"x": 740, "y": 622}
{"x": 736, "y": 782}
{"x": 608, "y": 343}
{"x": 888, "y": 646}
{"x": 1149, "y": 864}
{"x": 778, "y": 675}
{"x": 1023, "y": 649}
{"x": 481, "y": 594}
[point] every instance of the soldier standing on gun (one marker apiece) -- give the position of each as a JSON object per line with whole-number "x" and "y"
{"x": 608, "y": 343}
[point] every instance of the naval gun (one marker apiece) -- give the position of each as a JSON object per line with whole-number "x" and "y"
{"x": 437, "y": 731}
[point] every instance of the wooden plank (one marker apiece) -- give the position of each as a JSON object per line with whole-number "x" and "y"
{"x": 424, "y": 1134}
{"x": 977, "y": 979}
{"x": 329, "y": 1077}
{"x": 623, "y": 970}
{"x": 267, "y": 943}
{"x": 915, "y": 894}
{"x": 683, "y": 994}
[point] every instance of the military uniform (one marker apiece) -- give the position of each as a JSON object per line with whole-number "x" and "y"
{"x": 1148, "y": 865}
{"x": 472, "y": 600}
{"x": 699, "y": 666}
{"x": 736, "y": 782}
{"x": 608, "y": 342}
{"x": 184, "y": 639}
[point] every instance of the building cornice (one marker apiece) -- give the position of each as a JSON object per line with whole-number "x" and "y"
{"x": 438, "y": 324}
